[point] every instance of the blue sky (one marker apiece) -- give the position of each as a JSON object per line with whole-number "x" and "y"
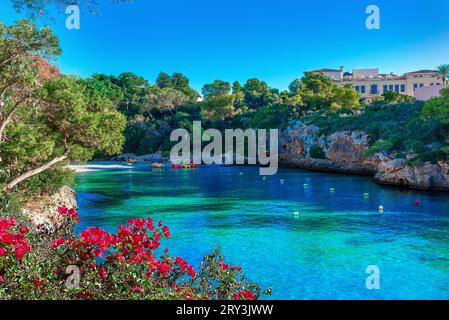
{"x": 239, "y": 39}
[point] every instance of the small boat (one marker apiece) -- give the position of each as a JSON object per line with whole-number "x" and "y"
{"x": 193, "y": 165}
{"x": 176, "y": 166}
{"x": 157, "y": 165}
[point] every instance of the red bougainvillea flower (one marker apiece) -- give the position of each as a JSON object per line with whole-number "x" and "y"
{"x": 58, "y": 242}
{"x": 133, "y": 247}
{"x": 102, "y": 272}
{"x": 149, "y": 224}
{"x": 224, "y": 266}
{"x": 136, "y": 289}
{"x": 71, "y": 213}
{"x": 183, "y": 265}
{"x": 14, "y": 241}
{"x": 38, "y": 283}
{"x": 245, "y": 295}
{"x": 24, "y": 230}
{"x": 166, "y": 231}
{"x": 5, "y": 224}
{"x": 163, "y": 269}
{"x": 20, "y": 250}
{"x": 63, "y": 210}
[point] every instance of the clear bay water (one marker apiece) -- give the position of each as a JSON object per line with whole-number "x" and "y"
{"x": 322, "y": 254}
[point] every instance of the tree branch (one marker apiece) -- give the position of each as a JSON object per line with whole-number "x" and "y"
{"x": 8, "y": 117}
{"x": 11, "y": 184}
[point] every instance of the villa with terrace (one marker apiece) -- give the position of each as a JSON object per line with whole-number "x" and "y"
{"x": 421, "y": 84}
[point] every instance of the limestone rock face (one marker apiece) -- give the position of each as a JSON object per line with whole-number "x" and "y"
{"x": 426, "y": 177}
{"x": 45, "y": 210}
{"x": 344, "y": 152}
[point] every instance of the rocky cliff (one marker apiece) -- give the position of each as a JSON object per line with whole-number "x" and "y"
{"x": 44, "y": 211}
{"x": 344, "y": 152}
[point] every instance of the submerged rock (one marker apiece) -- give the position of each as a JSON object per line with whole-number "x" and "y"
{"x": 303, "y": 146}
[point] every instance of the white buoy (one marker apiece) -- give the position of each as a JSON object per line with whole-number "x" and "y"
{"x": 241, "y": 173}
{"x": 381, "y": 209}
{"x": 296, "y": 213}
{"x": 366, "y": 195}
{"x": 305, "y": 185}
{"x": 332, "y": 189}
{"x": 282, "y": 181}
{"x": 264, "y": 178}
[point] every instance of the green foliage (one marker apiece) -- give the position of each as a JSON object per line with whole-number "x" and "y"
{"x": 443, "y": 71}
{"x": 46, "y": 122}
{"x": 81, "y": 117}
{"x": 273, "y": 116}
{"x": 163, "y": 80}
{"x": 392, "y": 97}
{"x": 317, "y": 92}
{"x": 48, "y": 182}
{"x": 316, "y": 152}
{"x": 37, "y": 9}
{"x": 217, "y": 107}
{"x": 437, "y": 110}
{"x": 384, "y": 146}
{"x": 218, "y": 87}
{"x": 258, "y": 94}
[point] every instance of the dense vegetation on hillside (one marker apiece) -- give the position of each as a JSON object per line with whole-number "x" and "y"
{"x": 153, "y": 111}
{"x": 397, "y": 124}
{"x": 416, "y": 129}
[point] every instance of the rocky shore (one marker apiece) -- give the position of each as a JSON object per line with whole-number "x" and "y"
{"x": 45, "y": 210}
{"x": 305, "y": 147}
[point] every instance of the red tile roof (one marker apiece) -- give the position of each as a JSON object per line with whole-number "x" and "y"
{"x": 422, "y": 71}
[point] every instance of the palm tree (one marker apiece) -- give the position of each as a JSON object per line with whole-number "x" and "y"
{"x": 443, "y": 71}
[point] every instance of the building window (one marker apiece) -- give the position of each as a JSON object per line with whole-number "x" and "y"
{"x": 415, "y": 86}
{"x": 396, "y": 88}
{"x": 362, "y": 89}
{"x": 432, "y": 84}
{"x": 357, "y": 88}
{"x": 374, "y": 89}
{"x": 391, "y": 87}
{"x": 402, "y": 87}
{"x": 385, "y": 88}
{"x": 421, "y": 85}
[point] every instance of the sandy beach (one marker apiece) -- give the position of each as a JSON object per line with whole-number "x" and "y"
{"x": 99, "y": 166}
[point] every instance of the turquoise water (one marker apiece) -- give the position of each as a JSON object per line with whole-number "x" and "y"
{"x": 322, "y": 254}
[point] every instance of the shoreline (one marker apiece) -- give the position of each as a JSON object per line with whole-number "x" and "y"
{"x": 98, "y": 166}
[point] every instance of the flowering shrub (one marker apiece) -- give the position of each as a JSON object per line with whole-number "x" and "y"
{"x": 126, "y": 265}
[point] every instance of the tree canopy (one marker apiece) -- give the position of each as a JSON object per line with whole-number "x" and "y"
{"x": 36, "y": 9}
{"x": 45, "y": 122}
